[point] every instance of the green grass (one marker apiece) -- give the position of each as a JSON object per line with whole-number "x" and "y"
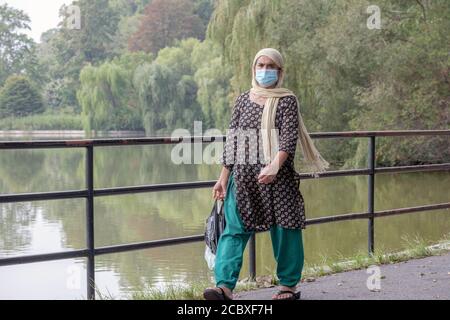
{"x": 43, "y": 122}
{"x": 192, "y": 291}
{"x": 415, "y": 247}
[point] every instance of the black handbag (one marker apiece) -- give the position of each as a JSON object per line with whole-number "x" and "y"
{"x": 215, "y": 224}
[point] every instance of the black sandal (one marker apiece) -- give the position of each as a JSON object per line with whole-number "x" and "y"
{"x": 211, "y": 294}
{"x": 294, "y": 295}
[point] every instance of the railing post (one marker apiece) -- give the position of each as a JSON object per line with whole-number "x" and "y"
{"x": 252, "y": 256}
{"x": 371, "y": 191}
{"x": 90, "y": 223}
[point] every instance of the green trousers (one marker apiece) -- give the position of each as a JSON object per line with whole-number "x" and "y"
{"x": 287, "y": 247}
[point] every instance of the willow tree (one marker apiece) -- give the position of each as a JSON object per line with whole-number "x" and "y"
{"x": 167, "y": 90}
{"x": 242, "y": 28}
{"x": 103, "y": 95}
{"x": 212, "y": 76}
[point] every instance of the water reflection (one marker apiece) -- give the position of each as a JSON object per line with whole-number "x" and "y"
{"x": 16, "y": 226}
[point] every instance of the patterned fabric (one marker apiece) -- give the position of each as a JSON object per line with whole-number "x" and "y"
{"x": 264, "y": 205}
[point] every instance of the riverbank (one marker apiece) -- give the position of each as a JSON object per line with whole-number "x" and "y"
{"x": 67, "y": 134}
{"x": 329, "y": 277}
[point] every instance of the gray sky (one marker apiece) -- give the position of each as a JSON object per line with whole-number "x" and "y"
{"x": 43, "y": 14}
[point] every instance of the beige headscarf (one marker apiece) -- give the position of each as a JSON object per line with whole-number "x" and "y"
{"x": 269, "y": 134}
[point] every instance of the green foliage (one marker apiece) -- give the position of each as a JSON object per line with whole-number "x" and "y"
{"x": 204, "y": 9}
{"x": 128, "y": 26}
{"x": 167, "y": 90}
{"x": 347, "y": 76}
{"x": 212, "y": 76}
{"x": 131, "y": 14}
{"x": 128, "y": 7}
{"x": 19, "y": 98}
{"x": 16, "y": 49}
{"x": 66, "y": 51}
{"x": 409, "y": 88}
{"x": 107, "y": 95}
{"x": 93, "y": 42}
{"x": 43, "y": 122}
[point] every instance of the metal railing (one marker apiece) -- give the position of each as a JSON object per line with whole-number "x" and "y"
{"x": 90, "y": 194}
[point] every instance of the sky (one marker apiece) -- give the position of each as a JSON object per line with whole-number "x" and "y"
{"x": 44, "y": 14}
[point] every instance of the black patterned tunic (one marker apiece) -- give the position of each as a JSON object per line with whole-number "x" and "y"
{"x": 264, "y": 205}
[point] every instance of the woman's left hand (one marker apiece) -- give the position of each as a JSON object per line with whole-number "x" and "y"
{"x": 267, "y": 174}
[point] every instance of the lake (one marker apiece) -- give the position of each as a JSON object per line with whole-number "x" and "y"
{"x": 59, "y": 225}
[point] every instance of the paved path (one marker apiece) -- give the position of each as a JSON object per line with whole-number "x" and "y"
{"x": 427, "y": 278}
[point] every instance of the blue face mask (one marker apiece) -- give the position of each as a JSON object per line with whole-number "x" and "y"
{"x": 267, "y": 77}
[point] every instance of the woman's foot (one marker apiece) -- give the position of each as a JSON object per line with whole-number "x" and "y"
{"x": 286, "y": 293}
{"x": 218, "y": 293}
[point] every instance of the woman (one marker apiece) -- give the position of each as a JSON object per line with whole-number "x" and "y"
{"x": 263, "y": 194}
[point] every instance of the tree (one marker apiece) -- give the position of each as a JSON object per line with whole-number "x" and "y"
{"x": 347, "y": 76}
{"x": 204, "y": 9}
{"x": 107, "y": 96}
{"x": 61, "y": 73}
{"x": 167, "y": 90}
{"x": 128, "y": 26}
{"x": 66, "y": 51}
{"x": 15, "y": 47}
{"x": 19, "y": 98}
{"x": 93, "y": 42}
{"x": 126, "y": 8}
{"x": 410, "y": 86}
{"x": 212, "y": 76}
{"x": 130, "y": 13}
{"x": 165, "y": 21}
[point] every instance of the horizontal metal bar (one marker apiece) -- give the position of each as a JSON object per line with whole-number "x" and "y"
{"x": 200, "y": 139}
{"x": 354, "y": 172}
{"x": 206, "y": 184}
{"x": 341, "y": 217}
{"x": 198, "y": 238}
{"x": 377, "y": 214}
{"x": 377, "y": 133}
{"x": 392, "y": 212}
{"x": 22, "y": 197}
{"x": 336, "y": 173}
{"x": 49, "y": 144}
{"x": 415, "y": 168}
{"x": 200, "y": 184}
{"x": 148, "y": 244}
{"x": 154, "y": 188}
{"x": 43, "y": 257}
{"x": 40, "y": 196}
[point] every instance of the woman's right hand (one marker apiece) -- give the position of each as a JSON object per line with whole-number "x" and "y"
{"x": 219, "y": 190}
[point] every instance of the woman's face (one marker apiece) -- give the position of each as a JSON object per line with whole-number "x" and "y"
{"x": 263, "y": 64}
